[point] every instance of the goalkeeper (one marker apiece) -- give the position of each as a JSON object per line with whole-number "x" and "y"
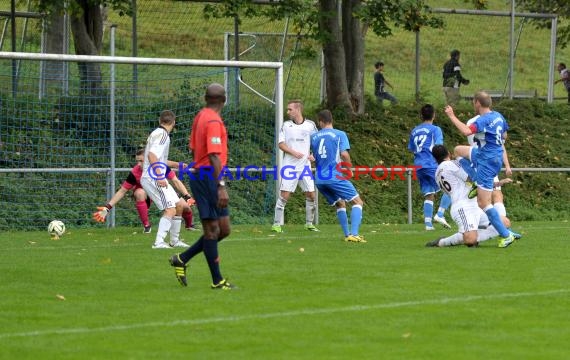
{"x": 142, "y": 201}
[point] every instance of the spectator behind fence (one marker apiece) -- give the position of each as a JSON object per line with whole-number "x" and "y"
{"x": 564, "y": 78}
{"x": 452, "y": 78}
{"x": 379, "y": 81}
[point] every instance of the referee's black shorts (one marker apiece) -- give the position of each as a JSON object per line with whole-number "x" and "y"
{"x": 205, "y": 192}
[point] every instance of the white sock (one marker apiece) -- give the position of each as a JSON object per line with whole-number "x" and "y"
{"x": 486, "y": 234}
{"x": 175, "y": 230}
{"x": 500, "y": 207}
{"x": 163, "y": 227}
{"x": 279, "y": 211}
{"x": 310, "y": 211}
{"x": 453, "y": 240}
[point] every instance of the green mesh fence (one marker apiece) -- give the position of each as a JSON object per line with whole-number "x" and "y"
{"x": 55, "y": 149}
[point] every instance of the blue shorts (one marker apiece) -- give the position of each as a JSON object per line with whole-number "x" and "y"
{"x": 205, "y": 192}
{"x": 428, "y": 185}
{"x": 487, "y": 169}
{"x": 340, "y": 190}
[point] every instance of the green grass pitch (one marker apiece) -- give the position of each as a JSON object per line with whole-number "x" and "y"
{"x": 105, "y": 294}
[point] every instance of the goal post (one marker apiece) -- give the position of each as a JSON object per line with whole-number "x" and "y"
{"x": 59, "y": 146}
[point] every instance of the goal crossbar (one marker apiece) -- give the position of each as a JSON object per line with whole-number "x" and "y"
{"x": 138, "y": 60}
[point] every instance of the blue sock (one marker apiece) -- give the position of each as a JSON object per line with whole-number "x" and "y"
{"x": 443, "y": 204}
{"x": 466, "y": 165}
{"x": 343, "y": 220}
{"x": 355, "y": 218}
{"x": 428, "y": 212}
{"x": 495, "y": 220}
{"x": 211, "y": 254}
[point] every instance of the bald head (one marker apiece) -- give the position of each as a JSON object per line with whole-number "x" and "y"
{"x": 215, "y": 94}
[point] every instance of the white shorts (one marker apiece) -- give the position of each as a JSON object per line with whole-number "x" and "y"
{"x": 162, "y": 197}
{"x": 496, "y": 180}
{"x": 469, "y": 217}
{"x": 290, "y": 185}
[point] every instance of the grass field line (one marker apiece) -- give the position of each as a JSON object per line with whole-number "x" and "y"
{"x": 304, "y": 312}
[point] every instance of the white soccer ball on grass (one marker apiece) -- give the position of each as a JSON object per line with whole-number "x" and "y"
{"x": 56, "y": 228}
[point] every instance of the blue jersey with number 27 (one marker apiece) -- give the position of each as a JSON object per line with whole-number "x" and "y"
{"x": 327, "y": 144}
{"x": 489, "y": 130}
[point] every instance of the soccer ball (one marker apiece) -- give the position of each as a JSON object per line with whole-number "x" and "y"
{"x": 56, "y": 228}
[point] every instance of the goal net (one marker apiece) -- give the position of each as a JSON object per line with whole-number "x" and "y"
{"x": 67, "y": 142}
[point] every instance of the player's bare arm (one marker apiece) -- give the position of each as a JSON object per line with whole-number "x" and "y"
{"x": 216, "y": 163}
{"x": 345, "y": 157}
{"x": 508, "y": 170}
{"x": 283, "y": 146}
{"x": 465, "y": 130}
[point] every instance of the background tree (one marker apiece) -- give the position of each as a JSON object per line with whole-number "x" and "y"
{"x": 86, "y": 19}
{"x": 559, "y": 7}
{"x": 341, "y": 26}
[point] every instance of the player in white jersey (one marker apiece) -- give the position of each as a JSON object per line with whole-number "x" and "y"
{"x": 497, "y": 195}
{"x": 154, "y": 182}
{"x": 473, "y": 224}
{"x": 295, "y": 142}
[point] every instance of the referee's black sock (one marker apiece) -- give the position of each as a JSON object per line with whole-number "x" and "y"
{"x": 193, "y": 250}
{"x": 211, "y": 254}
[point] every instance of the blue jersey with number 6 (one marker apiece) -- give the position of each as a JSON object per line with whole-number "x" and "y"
{"x": 489, "y": 130}
{"x": 422, "y": 139}
{"x": 327, "y": 144}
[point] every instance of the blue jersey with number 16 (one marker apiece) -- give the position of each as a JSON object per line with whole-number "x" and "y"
{"x": 327, "y": 144}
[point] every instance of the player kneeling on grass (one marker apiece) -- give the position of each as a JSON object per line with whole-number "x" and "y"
{"x": 474, "y": 226}
{"x": 133, "y": 182}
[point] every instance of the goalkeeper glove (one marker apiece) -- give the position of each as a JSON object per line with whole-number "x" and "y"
{"x": 189, "y": 200}
{"x": 102, "y": 212}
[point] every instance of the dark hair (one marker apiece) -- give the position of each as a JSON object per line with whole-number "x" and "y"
{"x": 427, "y": 112}
{"x": 215, "y": 94}
{"x": 139, "y": 152}
{"x": 562, "y": 65}
{"x": 439, "y": 152}
{"x": 378, "y": 64}
{"x": 167, "y": 117}
{"x": 454, "y": 53}
{"x": 325, "y": 116}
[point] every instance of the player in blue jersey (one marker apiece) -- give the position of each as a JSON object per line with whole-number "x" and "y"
{"x": 330, "y": 148}
{"x": 490, "y": 131}
{"x": 422, "y": 139}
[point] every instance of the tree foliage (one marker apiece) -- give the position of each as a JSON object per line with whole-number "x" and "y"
{"x": 559, "y": 7}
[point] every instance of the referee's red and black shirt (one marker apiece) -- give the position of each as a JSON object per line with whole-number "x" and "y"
{"x": 208, "y": 136}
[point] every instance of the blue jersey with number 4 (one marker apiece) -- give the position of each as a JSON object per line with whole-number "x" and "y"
{"x": 327, "y": 144}
{"x": 422, "y": 139}
{"x": 489, "y": 130}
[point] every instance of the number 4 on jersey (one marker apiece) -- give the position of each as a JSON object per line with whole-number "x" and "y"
{"x": 322, "y": 149}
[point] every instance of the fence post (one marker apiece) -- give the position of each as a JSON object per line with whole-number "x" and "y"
{"x": 112, "y": 125}
{"x": 409, "y": 192}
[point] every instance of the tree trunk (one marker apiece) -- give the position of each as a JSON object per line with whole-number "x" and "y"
{"x": 53, "y": 70}
{"x": 87, "y": 30}
{"x": 353, "y": 39}
{"x": 334, "y": 56}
